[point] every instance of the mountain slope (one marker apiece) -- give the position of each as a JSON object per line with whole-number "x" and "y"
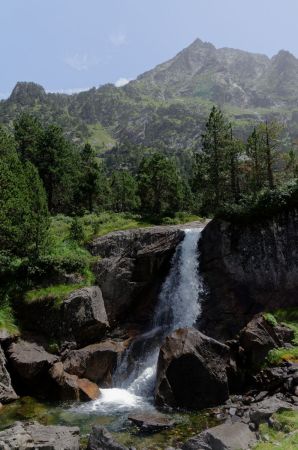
{"x": 167, "y": 106}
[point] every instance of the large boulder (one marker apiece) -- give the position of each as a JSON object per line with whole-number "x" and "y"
{"x": 30, "y": 364}
{"x": 248, "y": 268}
{"x": 35, "y": 436}
{"x": 7, "y": 393}
{"x": 132, "y": 267}
{"x": 192, "y": 371}
{"x": 80, "y": 317}
{"x": 101, "y": 439}
{"x": 84, "y": 314}
{"x": 70, "y": 387}
{"x": 258, "y": 337}
{"x": 96, "y": 362}
{"x": 228, "y": 436}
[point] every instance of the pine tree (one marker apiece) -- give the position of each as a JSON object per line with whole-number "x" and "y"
{"x": 124, "y": 192}
{"x": 160, "y": 185}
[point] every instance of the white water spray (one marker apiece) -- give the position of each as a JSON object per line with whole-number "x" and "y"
{"x": 178, "y": 306}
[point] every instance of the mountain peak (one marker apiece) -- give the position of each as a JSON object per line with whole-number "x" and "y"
{"x": 26, "y": 93}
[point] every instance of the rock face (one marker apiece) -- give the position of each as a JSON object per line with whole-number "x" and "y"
{"x": 248, "y": 269}
{"x": 7, "y": 393}
{"x": 30, "y": 364}
{"x": 228, "y": 436}
{"x": 84, "y": 314}
{"x": 191, "y": 371}
{"x": 70, "y": 387}
{"x": 101, "y": 439}
{"x": 81, "y": 317}
{"x": 95, "y": 362}
{"x": 132, "y": 267}
{"x": 259, "y": 337}
{"x": 34, "y": 436}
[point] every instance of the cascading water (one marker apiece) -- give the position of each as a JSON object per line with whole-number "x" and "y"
{"x": 178, "y": 306}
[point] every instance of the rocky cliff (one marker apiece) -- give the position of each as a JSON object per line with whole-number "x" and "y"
{"x": 168, "y": 105}
{"x": 247, "y": 269}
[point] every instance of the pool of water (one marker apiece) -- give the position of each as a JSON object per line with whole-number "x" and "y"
{"x": 86, "y": 415}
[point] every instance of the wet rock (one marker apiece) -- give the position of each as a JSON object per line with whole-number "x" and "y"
{"x": 132, "y": 268}
{"x": 228, "y": 436}
{"x": 191, "y": 371}
{"x": 151, "y": 423}
{"x": 101, "y": 439}
{"x": 70, "y": 387}
{"x": 30, "y": 364}
{"x": 35, "y": 436}
{"x": 84, "y": 314}
{"x": 7, "y": 393}
{"x": 95, "y": 362}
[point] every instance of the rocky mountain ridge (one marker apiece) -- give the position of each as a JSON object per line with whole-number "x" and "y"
{"x": 167, "y": 106}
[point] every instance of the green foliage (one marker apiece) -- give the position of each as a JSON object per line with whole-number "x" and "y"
{"x": 76, "y": 230}
{"x": 23, "y": 210}
{"x": 283, "y": 434}
{"x": 55, "y": 293}
{"x": 289, "y": 317}
{"x": 160, "y": 185}
{"x": 124, "y": 192}
{"x": 7, "y": 319}
{"x": 270, "y": 319}
{"x": 265, "y": 204}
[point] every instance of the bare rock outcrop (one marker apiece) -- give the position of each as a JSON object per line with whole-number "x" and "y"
{"x": 248, "y": 268}
{"x": 192, "y": 371}
{"x": 132, "y": 267}
{"x": 7, "y": 393}
{"x": 32, "y": 435}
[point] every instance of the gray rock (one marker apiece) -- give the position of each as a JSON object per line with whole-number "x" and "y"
{"x": 101, "y": 439}
{"x": 191, "y": 371}
{"x": 248, "y": 268}
{"x": 228, "y": 436}
{"x": 70, "y": 387}
{"x": 261, "y": 411}
{"x": 23, "y": 436}
{"x": 30, "y": 365}
{"x": 7, "y": 393}
{"x": 257, "y": 338}
{"x": 133, "y": 266}
{"x": 84, "y": 314}
{"x": 151, "y": 423}
{"x": 95, "y": 362}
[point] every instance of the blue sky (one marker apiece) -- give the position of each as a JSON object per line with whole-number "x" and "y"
{"x": 68, "y": 45}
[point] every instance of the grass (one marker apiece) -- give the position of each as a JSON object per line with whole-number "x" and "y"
{"x": 7, "y": 320}
{"x": 283, "y": 435}
{"x": 99, "y": 138}
{"x": 68, "y": 256}
{"x": 288, "y": 317}
{"x": 56, "y": 293}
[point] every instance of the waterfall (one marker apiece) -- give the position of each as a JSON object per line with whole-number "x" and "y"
{"x": 178, "y": 306}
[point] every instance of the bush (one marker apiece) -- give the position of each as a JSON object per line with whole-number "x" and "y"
{"x": 265, "y": 204}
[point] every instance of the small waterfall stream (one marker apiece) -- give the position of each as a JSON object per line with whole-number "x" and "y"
{"x": 178, "y": 306}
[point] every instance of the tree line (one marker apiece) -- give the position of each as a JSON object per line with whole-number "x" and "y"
{"x": 43, "y": 173}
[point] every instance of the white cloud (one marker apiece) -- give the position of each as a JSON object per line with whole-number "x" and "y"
{"x": 118, "y": 39}
{"x": 81, "y": 61}
{"x": 68, "y": 91}
{"x": 122, "y": 82}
